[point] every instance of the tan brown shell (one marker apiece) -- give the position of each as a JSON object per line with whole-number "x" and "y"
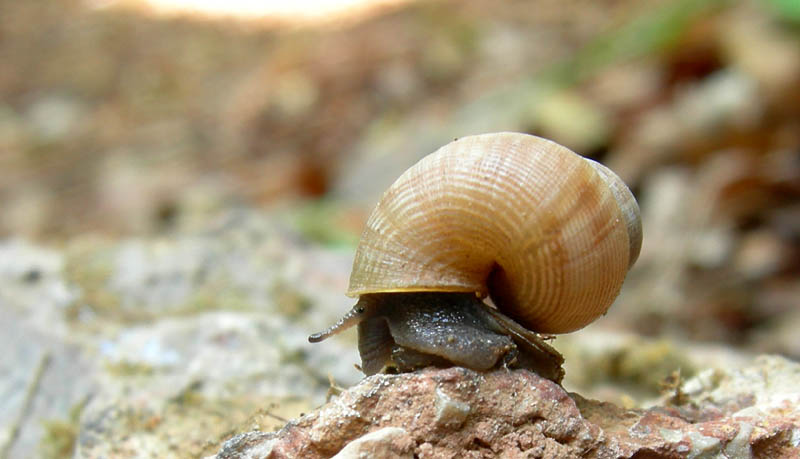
{"x": 546, "y": 233}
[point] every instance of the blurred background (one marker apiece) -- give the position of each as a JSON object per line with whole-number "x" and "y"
{"x": 153, "y": 121}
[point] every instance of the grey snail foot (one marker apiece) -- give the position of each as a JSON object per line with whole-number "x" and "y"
{"x": 401, "y": 332}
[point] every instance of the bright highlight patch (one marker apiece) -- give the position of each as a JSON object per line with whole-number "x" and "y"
{"x": 289, "y": 11}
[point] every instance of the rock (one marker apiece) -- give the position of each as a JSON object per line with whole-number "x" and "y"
{"x": 53, "y": 117}
{"x": 387, "y": 442}
{"x": 752, "y": 411}
{"x": 449, "y": 412}
{"x": 43, "y": 368}
{"x": 228, "y": 309}
{"x": 143, "y": 347}
{"x": 506, "y": 410}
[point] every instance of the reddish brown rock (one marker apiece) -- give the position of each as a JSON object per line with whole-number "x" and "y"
{"x": 447, "y": 413}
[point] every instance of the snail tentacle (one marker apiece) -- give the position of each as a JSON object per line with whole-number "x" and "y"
{"x": 352, "y": 318}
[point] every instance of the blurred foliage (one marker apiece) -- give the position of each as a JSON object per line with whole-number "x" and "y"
{"x": 326, "y": 222}
{"x": 651, "y": 32}
{"x": 788, "y": 9}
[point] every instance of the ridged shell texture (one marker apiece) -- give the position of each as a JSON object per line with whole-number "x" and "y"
{"x": 547, "y": 234}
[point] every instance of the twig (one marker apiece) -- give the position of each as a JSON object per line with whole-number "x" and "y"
{"x": 33, "y": 387}
{"x": 333, "y": 389}
{"x": 275, "y": 416}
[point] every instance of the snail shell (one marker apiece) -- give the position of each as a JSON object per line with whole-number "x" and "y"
{"x": 545, "y": 233}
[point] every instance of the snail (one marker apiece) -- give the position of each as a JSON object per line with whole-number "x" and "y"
{"x": 547, "y": 235}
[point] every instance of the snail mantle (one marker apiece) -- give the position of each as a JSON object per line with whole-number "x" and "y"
{"x": 544, "y": 234}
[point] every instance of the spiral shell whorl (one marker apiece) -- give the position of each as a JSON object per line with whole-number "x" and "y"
{"x": 513, "y": 216}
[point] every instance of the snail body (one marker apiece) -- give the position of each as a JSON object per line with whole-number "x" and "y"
{"x": 546, "y": 234}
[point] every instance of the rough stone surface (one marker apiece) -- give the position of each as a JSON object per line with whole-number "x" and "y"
{"x": 388, "y": 442}
{"x": 748, "y": 412}
{"x": 161, "y": 347}
{"x": 42, "y": 369}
